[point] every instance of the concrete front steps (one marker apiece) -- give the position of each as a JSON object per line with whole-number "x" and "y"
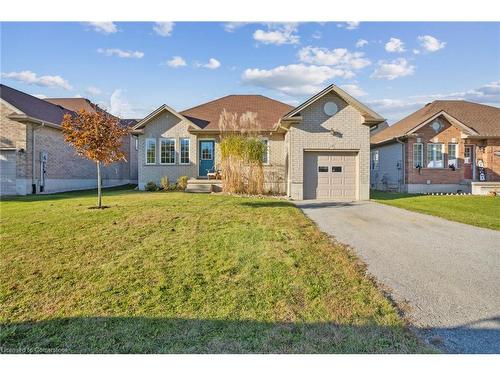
{"x": 198, "y": 185}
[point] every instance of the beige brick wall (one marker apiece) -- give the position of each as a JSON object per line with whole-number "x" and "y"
{"x": 166, "y": 125}
{"x": 275, "y": 170}
{"x": 314, "y": 133}
{"x": 133, "y": 157}
{"x": 63, "y": 164}
{"x": 14, "y": 134}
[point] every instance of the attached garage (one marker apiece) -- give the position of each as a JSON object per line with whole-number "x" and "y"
{"x": 7, "y": 172}
{"x": 330, "y": 175}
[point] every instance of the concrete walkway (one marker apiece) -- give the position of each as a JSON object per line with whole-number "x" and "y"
{"x": 447, "y": 272}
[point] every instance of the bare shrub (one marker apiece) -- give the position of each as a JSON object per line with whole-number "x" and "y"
{"x": 151, "y": 186}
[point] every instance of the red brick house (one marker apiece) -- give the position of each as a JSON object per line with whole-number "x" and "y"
{"x": 446, "y": 146}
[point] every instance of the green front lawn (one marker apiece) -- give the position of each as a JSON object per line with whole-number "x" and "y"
{"x": 174, "y": 272}
{"x": 474, "y": 210}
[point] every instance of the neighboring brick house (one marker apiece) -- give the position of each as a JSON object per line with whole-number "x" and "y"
{"x": 319, "y": 149}
{"x": 446, "y": 146}
{"x": 34, "y": 157}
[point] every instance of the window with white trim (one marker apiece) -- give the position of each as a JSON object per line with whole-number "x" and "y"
{"x": 435, "y": 155}
{"x": 150, "y": 151}
{"x": 418, "y": 155}
{"x": 452, "y": 155}
{"x": 265, "y": 157}
{"x": 184, "y": 154}
{"x": 374, "y": 160}
{"x": 467, "y": 154}
{"x": 167, "y": 151}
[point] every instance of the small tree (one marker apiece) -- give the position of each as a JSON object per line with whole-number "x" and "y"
{"x": 96, "y": 136}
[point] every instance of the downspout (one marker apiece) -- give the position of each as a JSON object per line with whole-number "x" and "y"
{"x": 403, "y": 163}
{"x": 33, "y": 154}
{"x": 33, "y": 157}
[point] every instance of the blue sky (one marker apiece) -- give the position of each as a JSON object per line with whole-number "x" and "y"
{"x": 132, "y": 68}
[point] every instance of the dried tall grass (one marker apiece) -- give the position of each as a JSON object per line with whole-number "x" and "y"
{"x": 241, "y": 153}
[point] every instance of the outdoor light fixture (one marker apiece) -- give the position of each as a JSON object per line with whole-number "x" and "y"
{"x": 336, "y": 133}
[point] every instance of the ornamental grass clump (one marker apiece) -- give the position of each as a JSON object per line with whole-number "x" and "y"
{"x": 241, "y": 153}
{"x": 254, "y": 153}
{"x": 182, "y": 182}
{"x": 165, "y": 183}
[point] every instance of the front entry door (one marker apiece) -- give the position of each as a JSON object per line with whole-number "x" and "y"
{"x": 468, "y": 162}
{"x": 206, "y": 157}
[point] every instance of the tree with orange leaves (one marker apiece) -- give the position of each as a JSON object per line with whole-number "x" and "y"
{"x": 96, "y": 136}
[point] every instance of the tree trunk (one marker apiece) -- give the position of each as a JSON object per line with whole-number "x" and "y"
{"x": 99, "y": 195}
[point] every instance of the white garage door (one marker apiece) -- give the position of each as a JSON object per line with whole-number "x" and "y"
{"x": 330, "y": 175}
{"x": 7, "y": 172}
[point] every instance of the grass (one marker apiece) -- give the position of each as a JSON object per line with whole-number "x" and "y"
{"x": 180, "y": 273}
{"x": 481, "y": 211}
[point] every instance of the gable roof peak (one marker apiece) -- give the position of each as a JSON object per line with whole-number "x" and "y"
{"x": 482, "y": 119}
{"x": 371, "y": 117}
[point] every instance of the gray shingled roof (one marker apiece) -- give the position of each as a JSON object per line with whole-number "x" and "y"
{"x": 32, "y": 106}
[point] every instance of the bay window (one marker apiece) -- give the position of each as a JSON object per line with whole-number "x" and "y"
{"x": 452, "y": 155}
{"x": 435, "y": 155}
{"x": 418, "y": 155}
{"x": 150, "y": 151}
{"x": 265, "y": 157}
{"x": 167, "y": 151}
{"x": 374, "y": 160}
{"x": 184, "y": 145}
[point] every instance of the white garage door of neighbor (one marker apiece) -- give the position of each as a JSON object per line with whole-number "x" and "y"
{"x": 7, "y": 172}
{"x": 330, "y": 175}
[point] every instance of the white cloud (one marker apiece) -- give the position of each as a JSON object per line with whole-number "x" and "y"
{"x": 121, "y": 53}
{"x": 163, "y": 28}
{"x": 396, "y": 109}
{"x": 416, "y": 51}
{"x": 486, "y": 94}
{"x": 295, "y": 79}
{"x": 278, "y": 33}
{"x": 31, "y": 78}
{"x": 393, "y": 69}
{"x": 396, "y": 104}
{"x": 354, "y": 90}
{"x": 40, "y": 96}
{"x": 176, "y": 62}
{"x": 431, "y": 44}
{"x": 120, "y": 106}
{"x": 339, "y": 57}
{"x": 231, "y": 27}
{"x": 317, "y": 35}
{"x": 103, "y": 27}
{"x": 395, "y": 45}
{"x": 212, "y": 64}
{"x": 351, "y": 25}
{"x": 361, "y": 43}
{"x": 94, "y": 91}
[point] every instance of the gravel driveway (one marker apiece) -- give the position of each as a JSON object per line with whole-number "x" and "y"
{"x": 448, "y": 273}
